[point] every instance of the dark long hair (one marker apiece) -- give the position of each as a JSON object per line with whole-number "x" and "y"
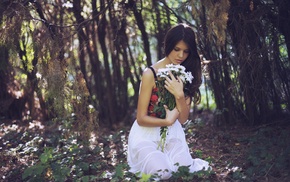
{"x": 192, "y": 63}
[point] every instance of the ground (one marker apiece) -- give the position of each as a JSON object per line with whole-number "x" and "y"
{"x": 236, "y": 152}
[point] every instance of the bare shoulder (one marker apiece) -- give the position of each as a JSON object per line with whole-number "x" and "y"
{"x": 147, "y": 79}
{"x": 148, "y": 74}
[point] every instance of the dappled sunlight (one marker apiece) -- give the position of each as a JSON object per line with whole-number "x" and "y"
{"x": 233, "y": 152}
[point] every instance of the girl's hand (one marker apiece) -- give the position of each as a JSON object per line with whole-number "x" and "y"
{"x": 171, "y": 116}
{"x": 173, "y": 85}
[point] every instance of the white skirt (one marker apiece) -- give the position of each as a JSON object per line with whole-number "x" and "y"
{"x": 145, "y": 155}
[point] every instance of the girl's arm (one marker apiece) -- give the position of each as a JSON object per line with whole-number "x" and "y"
{"x": 183, "y": 106}
{"x": 143, "y": 119}
{"x": 175, "y": 86}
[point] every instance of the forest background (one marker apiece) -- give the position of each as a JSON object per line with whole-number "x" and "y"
{"x": 70, "y": 73}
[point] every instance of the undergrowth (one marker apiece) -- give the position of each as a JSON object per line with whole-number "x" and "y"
{"x": 268, "y": 154}
{"x": 54, "y": 155}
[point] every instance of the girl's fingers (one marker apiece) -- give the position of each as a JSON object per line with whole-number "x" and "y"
{"x": 172, "y": 77}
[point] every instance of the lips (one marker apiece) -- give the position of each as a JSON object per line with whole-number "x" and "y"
{"x": 179, "y": 61}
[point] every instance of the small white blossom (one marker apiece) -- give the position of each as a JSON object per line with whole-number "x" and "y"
{"x": 183, "y": 78}
{"x": 177, "y": 70}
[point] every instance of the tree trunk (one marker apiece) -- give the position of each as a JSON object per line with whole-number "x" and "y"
{"x": 142, "y": 28}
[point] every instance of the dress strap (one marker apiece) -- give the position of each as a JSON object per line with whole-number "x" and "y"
{"x": 153, "y": 72}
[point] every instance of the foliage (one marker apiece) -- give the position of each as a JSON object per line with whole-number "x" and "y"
{"x": 268, "y": 154}
{"x": 184, "y": 174}
{"x": 236, "y": 154}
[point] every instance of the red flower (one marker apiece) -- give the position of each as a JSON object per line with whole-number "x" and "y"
{"x": 155, "y": 90}
{"x": 154, "y": 98}
{"x": 153, "y": 114}
{"x": 150, "y": 108}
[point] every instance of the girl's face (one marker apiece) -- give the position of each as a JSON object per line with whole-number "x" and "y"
{"x": 179, "y": 53}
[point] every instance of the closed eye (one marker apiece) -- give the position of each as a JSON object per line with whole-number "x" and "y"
{"x": 178, "y": 49}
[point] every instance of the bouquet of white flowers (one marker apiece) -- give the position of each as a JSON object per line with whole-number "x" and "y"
{"x": 164, "y": 96}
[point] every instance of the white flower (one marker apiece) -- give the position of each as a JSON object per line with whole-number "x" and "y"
{"x": 188, "y": 77}
{"x": 177, "y": 70}
{"x": 183, "y": 78}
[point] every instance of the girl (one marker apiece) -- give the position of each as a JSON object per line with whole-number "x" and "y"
{"x": 144, "y": 153}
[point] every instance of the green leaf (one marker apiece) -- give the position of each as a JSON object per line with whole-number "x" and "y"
{"x": 34, "y": 171}
{"x": 44, "y": 157}
{"x": 119, "y": 171}
{"x": 145, "y": 177}
{"x": 84, "y": 166}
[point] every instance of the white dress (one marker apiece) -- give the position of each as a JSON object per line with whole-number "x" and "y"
{"x": 145, "y": 155}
